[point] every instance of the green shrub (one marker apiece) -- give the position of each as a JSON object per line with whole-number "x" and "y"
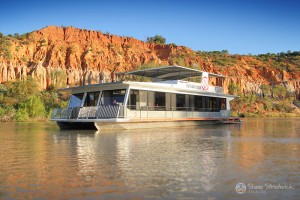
{"x": 21, "y": 100}
{"x": 248, "y": 99}
{"x": 268, "y": 104}
{"x": 21, "y": 115}
{"x": 233, "y": 88}
{"x": 249, "y": 114}
{"x": 2, "y": 111}
{"x": 157, "y": 39}
{"x": 284, "y": 106}
{"x": 279, "y": 91}
{"x": 266, "y": 90}
{"x": 234, "y": 114}
{"x": 35, "y": 107}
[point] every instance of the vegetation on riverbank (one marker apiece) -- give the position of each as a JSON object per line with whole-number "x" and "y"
{"x": 23, "y": 101}
{"x": 288, "y": 61}
{"x": 274, "y": 101}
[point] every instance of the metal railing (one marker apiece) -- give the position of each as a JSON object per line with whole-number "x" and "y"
{"x": 165, "y": 108}
{"x": 117, "y": 111}
{"x": 174, "y": 112}
{"x": 95, "y": 112}
{"x": 62, "y": 113}
{"x": 219, "y": 89}
{"x": 99, "y": 112}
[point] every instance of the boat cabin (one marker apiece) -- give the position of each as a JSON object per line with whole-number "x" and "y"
{"x": 167, "y": 96}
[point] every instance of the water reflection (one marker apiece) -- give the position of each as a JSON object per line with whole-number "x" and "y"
{"x": 38, "y": 161}
{"x": 178, "y": 159}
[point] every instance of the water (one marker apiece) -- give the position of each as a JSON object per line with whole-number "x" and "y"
{"x": 38, "y": 161}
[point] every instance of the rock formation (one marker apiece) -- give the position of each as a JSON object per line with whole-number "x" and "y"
{"x": 72, "y": 56}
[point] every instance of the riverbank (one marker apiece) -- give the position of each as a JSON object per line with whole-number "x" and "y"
{"x": 270, "y": 114}
{"x": 255, "y": 106}
{"x": 22, "y": 101}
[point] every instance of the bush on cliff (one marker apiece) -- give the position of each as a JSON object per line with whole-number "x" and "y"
{"x": 253, "y": 105}
{"x": 157, "y": 39}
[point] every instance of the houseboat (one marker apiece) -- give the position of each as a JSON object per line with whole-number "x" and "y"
{"x": 169, "y": 98}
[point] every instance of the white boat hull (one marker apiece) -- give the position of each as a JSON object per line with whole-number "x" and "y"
{"x": 158, "y": 123}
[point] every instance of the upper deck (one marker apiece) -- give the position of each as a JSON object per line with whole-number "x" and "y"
{"x": 171, "y": 73}
{"x": 163, "y": 79}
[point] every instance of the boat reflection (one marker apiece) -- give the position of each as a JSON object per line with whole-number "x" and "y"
{"x": 155, "y": 157}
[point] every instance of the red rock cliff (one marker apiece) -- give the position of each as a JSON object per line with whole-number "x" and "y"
{"x": 76, "y": 57}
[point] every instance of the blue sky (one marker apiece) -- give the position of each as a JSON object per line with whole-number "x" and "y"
{"x": 256, "y": 26}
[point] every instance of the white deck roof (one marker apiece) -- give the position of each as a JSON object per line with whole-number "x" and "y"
{"x": 170, "y": 73}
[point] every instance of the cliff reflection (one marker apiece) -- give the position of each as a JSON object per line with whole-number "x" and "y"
{"x": 262, "y": 144}
{"x": 174, "y": 158}
{"x": 37, "y": 160}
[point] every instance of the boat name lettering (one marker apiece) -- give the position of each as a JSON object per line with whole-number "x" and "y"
{"x": 193, "y": 86}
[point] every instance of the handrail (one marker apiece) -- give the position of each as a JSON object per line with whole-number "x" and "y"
{"x": 118, "y": 111}
{"x": 219, "y": 89}
{"x": 62, "y": 113}
{"x": 165, "y": 108}
{"x": 102, "y": 111}
{"x": 174, "y": 112}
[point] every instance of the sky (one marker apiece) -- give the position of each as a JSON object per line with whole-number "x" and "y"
{"x": 239, "y": 26}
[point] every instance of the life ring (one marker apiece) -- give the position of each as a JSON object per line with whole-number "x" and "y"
{"x": 205, "y": 85}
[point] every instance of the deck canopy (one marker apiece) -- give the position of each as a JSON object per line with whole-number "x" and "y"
{"x": 170, "y": 73}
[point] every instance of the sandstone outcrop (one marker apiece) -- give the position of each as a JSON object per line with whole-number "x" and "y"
{"x": 72, "y": 56}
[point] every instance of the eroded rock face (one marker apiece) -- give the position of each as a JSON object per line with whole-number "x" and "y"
{"x": 39, "y": 73}
{"x": 72, "y": 56}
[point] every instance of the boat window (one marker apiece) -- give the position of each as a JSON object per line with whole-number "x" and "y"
{"x": 76, "y": 100}
{"x": 180, "y": 100}
{"x": 133, "y": 100}
{"x": 205, "y": 106}
{"x": 213, "y": 103}
{"x": 199, "y": 103}
{"x": 113, "y": 97}
{"x": 223, "y": 103}
{"x": 191, "y": 102}
{"x": 91, "y": 99}
{"x": 160, "y": 99}
{"x": 217, "y": 105}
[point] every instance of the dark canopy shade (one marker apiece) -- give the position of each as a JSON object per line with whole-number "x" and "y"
{"x": 170, "y": 73}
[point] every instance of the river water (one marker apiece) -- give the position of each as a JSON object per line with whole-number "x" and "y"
{"x": 261, "y": 157}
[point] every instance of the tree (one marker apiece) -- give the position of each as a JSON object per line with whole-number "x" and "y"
{"x": 35, "y": 107}
{"x": 233, "y": 88}
{"x": 16, "y": 35}
{"x": 279, "y": 91}
{"x": 225, "y": 52}
{"x": 266, "y": 90}
{"x": 157, "y": 39}
{"x": 22, "y": 90}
